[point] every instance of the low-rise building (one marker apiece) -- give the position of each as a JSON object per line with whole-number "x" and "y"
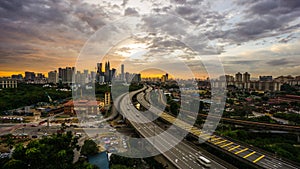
{"x": 85, "y": 107}
{"x": 8, "y": 83}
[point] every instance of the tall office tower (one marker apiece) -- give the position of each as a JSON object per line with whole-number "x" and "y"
{"x": 238, "y": 77}
{"x": 86, "y": 76}
{"x": 246, "y": 77}
{"x": 93, "y": 77}
{"x": 122, "y": 72}
{"x": 66, "y": 75}
{"x": 163, "y": 78}
{"x": 29, "y": 76}
{"x": 60, "y": 74}
{"x": 107, "y": 72}
{"x": 53, "y": 77}
{"x": 127, "y": 77}
{"x": 112, "y": 74}
{"x": 167, "y": 76}
{"x": 99, "y": 68}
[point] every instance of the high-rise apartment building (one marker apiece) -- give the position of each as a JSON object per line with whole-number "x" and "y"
{"x": 53, "y": 77}
{"x": 65, "y": 75}
{"x": 246, "y": 77}
{"x": 29, "y": 76}
{"x": 238, "y": 77}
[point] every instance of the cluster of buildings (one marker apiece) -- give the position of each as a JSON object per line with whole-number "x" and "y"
{"x": 69, "y": 75}
{"x": 109, "y": 74}
{"x": 65, "y": 75}
{"x": 87, "y": 107}
{"x": 164, "y": 78}
{"x": 264, "y": 83}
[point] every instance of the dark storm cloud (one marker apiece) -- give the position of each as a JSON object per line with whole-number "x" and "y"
{"x": 131, "y": 11}
{"x": 184, "y": 10}
{"x": 185, "y": 2}
{"x": 72, "y": 14}
{"x": 124, "y": 2}
{"x": 263, "y": 18}
{"x": 278, "y": 62}
{"x": 47, "y": 31}
{"x": 242, "y": 62}
{"x": 273, "y": 7}
{"x": 198, "y": 13}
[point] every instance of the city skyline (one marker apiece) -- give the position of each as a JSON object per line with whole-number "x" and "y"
{"x": 243, "y": 35}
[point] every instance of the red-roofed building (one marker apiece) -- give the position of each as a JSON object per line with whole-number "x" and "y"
{"x": 81, "y": 106}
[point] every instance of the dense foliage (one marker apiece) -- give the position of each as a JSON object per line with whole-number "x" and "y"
{"x": 89, "y": 148}
{"x": 54, "y": 152}
{"x": 28, "y": 94}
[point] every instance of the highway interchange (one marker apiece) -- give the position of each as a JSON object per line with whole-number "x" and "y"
{"x": 181, "y": 155}
{"x": 242, "y": 151}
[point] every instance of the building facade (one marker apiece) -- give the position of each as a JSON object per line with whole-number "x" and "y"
{"x": 8, "y": 83}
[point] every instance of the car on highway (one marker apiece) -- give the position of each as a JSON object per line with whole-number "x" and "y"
{"x": 204, "y": 161}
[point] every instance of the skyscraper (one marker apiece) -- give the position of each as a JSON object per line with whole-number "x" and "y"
{"x": 107, "y": 72}
{"x": 29, "y": 76}
{"x": 122, "y": 72}
{"x": 113, "y": 73}
{"x": 246, "y": 77}
{"x": 99, "y": 68}
{"x": 66, "y": 75}
{"x": 238, "y": 77}
{"x": 53, "y": 77}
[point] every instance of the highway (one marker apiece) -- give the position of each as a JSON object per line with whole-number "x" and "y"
{"x": 182, "y": 155}
{"x": 245, "y": 152}
{"x": 259, "y": 125}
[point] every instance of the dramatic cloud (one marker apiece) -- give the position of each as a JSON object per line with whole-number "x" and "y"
{"x": 279, "y": 62}
{"x": 258, "y": 34}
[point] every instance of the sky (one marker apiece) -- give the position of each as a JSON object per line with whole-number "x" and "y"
{"x": 257, "y": 36}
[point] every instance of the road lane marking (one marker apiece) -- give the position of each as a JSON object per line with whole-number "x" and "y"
{"x": 241, "y": 151}
{"x": 215, "y": 139}
{"x": 249, "y": 154}
{"x": 226, "y": 145}
{"x": 234, "y": 148}
{"x": 259, "y": 158}
{"x": 220, "y": 142}
{"x": 204, "y": 137}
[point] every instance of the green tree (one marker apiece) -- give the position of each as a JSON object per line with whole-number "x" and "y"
{"x": 89, "y": 148}
{"x": 14, "y": 164}
{"x": 54, "y": 152}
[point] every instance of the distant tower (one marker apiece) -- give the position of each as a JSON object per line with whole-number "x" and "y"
{"x": 99, "y": 68}
{"x": 122, "y": 72}
{"x": 112, "y": 73}
{"x": 238, "y": 77}
{"x": 246, "y": 77}
{"x": 107, "y": 73}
